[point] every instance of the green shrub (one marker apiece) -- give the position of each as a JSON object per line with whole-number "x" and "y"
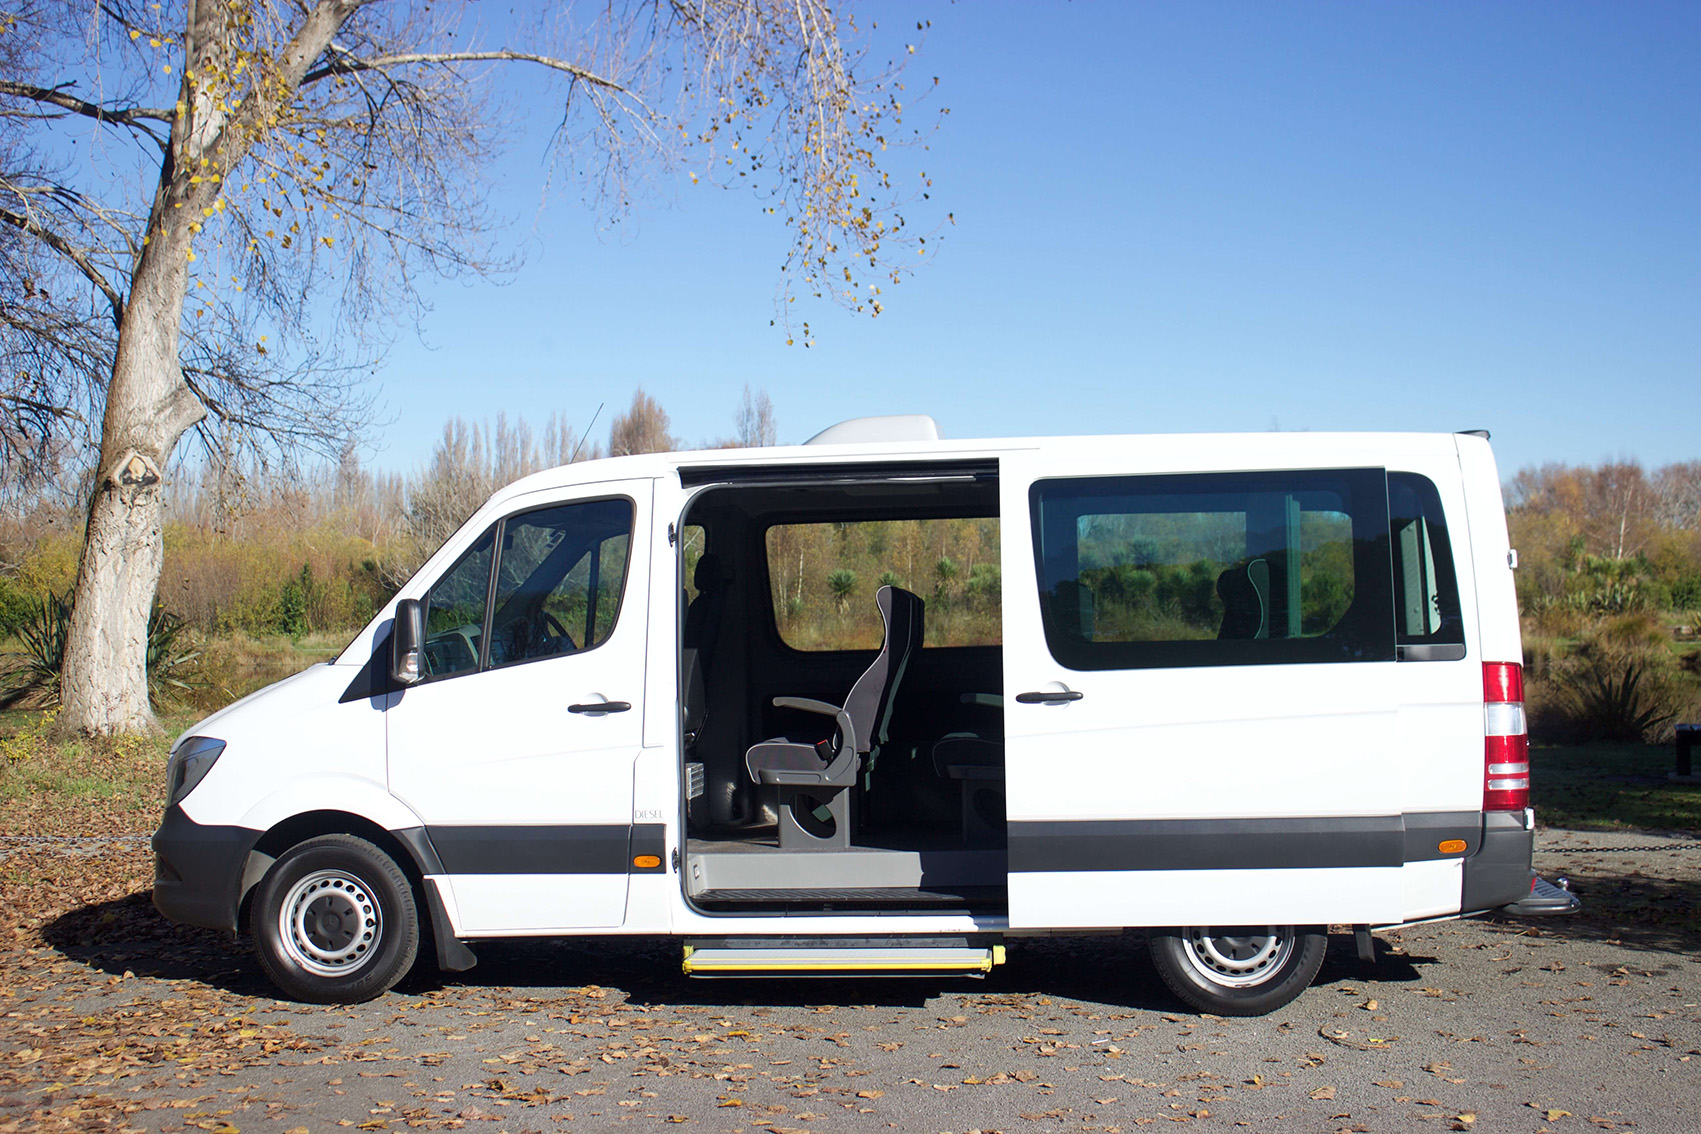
{"x": 35, "y": 670}
{"x": 34, "y": 674}
{"x": 1621, "y": 682}
{"x": 842, "y": 583}
{"x": 293, "y": 599}
{"x": 14, "y": 607}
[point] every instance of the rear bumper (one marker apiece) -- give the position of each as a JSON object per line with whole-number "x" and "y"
{"x": 1500, "y": 876}
{"x": 1500, "y": 872}
{"x": 198, "y": 870}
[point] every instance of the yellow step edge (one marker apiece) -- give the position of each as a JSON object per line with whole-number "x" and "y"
{"x": 985, "y": 963}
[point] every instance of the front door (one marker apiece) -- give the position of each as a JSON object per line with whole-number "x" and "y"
{"x": 1199, "y": 693}
{"x": 517, "y": 746}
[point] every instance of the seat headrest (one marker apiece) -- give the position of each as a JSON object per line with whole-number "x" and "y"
{"x": 710, "y": 575}
{"x": 1244, "y": 589}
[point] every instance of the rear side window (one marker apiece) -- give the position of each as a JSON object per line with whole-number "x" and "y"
{"x": 1428, "y": 625}
{"x": 1214, "y": 569}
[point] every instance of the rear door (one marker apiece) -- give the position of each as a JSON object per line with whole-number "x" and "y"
{"x": 1200, "y": 693}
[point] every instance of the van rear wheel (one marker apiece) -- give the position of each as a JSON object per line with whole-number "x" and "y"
{"x": 1243, "y": 971}
{"x": 334, "y": 921}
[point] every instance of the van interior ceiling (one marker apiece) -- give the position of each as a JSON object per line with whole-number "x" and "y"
{"x": 841, "y": 681}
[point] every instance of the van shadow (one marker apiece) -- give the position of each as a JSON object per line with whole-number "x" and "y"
{"x": 127, "y": 935}
{"x": 1111, "y": 969}
{"x": 1627, "y": 908}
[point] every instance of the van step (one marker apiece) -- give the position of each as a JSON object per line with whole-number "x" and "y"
{"x": 709, "y": 960}
{"x": 867, "y": 897}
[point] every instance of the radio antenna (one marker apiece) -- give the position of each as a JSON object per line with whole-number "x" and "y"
{"x": 586, "y": 433}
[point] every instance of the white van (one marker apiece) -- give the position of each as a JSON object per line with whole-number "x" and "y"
{"x": 819, "y": 709}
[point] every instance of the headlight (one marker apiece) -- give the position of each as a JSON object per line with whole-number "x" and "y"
{"x": 191, "y": 760}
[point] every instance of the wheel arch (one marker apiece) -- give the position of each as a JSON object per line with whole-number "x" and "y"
{"x": 409, "y": 847}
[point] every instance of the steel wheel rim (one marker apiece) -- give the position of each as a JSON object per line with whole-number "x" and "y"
{"x": 330, "y": 923}
{"x": 1238, "y": 960}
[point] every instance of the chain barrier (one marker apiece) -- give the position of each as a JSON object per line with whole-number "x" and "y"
{"x": 1642, "y": 848}
{"x": 57, "y": 839}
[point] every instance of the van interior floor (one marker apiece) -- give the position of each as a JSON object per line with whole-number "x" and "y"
{"x": 752, "y": 873}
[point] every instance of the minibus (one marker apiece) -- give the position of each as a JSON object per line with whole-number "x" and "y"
{"x": 887, "y": 703}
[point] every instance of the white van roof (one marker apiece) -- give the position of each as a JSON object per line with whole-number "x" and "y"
{"x": 910, "y": 437}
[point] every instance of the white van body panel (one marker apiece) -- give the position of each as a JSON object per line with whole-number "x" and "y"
{"x": 1490, "y": 551}
{"x": 293, "y": 748}
{"x": 1437, "y": 732}
{"x": 1252, "y": 743}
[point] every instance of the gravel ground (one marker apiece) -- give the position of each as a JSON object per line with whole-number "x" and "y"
{"x": 114, "y": 1020}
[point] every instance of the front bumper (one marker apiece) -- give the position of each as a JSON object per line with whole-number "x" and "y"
{"x": 198, "y": 870}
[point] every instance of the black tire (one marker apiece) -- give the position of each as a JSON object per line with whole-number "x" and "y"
{"x": 334, "y": 921}
{"x": 1244, "y": 971}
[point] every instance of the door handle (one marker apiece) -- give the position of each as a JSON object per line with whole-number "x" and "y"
{"x": 1048, "y": 697}
{"x": 600, "y": 707}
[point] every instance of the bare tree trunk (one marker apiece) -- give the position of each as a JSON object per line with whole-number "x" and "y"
{"x": 103, "y": 685}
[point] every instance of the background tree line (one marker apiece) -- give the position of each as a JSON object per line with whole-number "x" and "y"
{"x": 1609, "y": 584}
{"x": 1609, "y": 578}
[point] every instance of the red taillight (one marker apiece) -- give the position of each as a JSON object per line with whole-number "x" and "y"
{"x": 1506, "y": 738}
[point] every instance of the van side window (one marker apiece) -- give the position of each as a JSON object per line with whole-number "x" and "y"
{"x": 454, "y": 612}
{"x": 1214, "y": 569}
{"x": 559, "y": 580}
{"x": 1428, "y": 625}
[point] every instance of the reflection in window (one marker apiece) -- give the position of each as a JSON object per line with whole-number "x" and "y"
{"x": 1426, "y": 589}
{"x": 559, "y": 580}
{"x": 454, "y": 612}
{"x": 1216, "y": 569}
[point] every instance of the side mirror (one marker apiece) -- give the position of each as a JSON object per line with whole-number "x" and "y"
{"x": 405, "y": 640}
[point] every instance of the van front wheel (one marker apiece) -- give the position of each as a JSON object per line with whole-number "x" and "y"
{"x": 334, "y": 921}
{"x": 1244, "y": 971}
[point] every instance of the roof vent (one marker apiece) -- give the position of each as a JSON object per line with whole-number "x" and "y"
{"x": 894, "y": 427}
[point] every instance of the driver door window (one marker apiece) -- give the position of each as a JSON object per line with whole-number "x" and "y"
{"x": 560, "y": 574}
{"x": 559, "y": 580}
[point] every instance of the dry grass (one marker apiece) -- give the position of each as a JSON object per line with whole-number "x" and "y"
{"x": 81, "y": 786}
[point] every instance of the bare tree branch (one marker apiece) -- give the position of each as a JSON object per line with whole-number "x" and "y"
{"x": 78, "y": 256}
{"x": 347, "y": 63}
{"x": 136, "y": 117}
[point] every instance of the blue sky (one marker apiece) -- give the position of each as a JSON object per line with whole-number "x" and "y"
{"x": 1172, "y": 218}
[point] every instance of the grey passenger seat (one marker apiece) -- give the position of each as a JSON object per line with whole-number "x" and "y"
{"x": 1245, "y": 591}
{"x": 976, "y": 762}
{"x": 821, "y": 774}
{"x": 701, "y": 632}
